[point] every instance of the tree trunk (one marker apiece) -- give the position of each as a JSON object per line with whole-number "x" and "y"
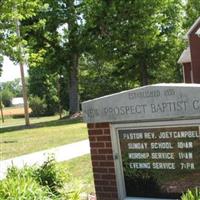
{"x": 21, "y": 64}
{"x": 74, "y": 58}
{"x": 26, "y": 113}
{"x": 73, "y": 85}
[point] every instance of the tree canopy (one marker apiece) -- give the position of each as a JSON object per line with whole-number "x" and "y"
{"x": 82, "y": 49}
{"x": 192, "y": 12}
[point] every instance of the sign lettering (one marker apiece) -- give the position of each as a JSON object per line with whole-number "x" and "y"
{"x": 160, "y": 157}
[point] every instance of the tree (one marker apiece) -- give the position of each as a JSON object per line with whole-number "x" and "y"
{"x": 42, "y": 86}
{"x": 74, "y": 55}
{"x": 12, "y": 13}
{"x": 60, "y": 50}
{"x": 46, "y": 59}
{"x": 6, "y": 97}
{"x": 38, "y": 106}
{"x": 139, "y": 37}
{"x": 9, "y": 90}
{"x": 97, "y": 78}
{"x": 14, "y": 87}
{"x": 192, "y": 12}
{"x": 118, "y": 45}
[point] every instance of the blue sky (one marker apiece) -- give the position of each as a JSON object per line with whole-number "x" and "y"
{"x": 10, "y": 71}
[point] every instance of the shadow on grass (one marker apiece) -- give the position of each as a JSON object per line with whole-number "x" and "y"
{"x": 52, "y": 123}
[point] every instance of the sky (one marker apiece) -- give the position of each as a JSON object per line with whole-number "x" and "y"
{"x": 10, "y": 71}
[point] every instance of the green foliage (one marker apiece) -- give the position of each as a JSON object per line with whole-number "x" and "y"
{"x": 37, "y": 183}
{"x": 9, "y": 90}
{"x": 121, "y": 44}
{"x": 58, "y": 44}
{"x": 21, "y": 186}
{"x": 138, "y": 43}
{"x": 193, "y": 194}
{"x": 13, "y": 86}
{"x": 100, "y": 74}
{"x": 37, "y": 106}
{"x": 49, "y": 174}
{"x": 6, "y": 97}
{"x": 1, "y": 104}
{"x": 192, "y": 12}
{"x": 43, "y": 84}
{"x": 12, "y": 13}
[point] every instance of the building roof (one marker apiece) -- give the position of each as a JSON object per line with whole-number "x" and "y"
{"x": 193, "y": 27}
{"x": 198, "y": 32}
{"x": 185, "y": 56}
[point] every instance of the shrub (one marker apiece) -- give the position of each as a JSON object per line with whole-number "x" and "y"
{"x": 38, "y": 106}
{"x": 47, "y": 182}
{"x": 6, "y": 97}
{"x": 49, "y": 174}
{"x": 193, "y": 194}
{"x": 23, "y": 188}
{"x": 14, "y": 172}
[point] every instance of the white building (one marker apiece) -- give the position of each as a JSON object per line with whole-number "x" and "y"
{"x": 17, "y": 101}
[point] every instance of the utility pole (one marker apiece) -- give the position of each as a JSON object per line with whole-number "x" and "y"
{"x": 21, "y": 64}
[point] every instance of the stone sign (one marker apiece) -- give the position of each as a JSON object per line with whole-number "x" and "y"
{"x": 162, "y": 101}
{"x": 160, "y": 162}
{"x": 145, "y": 142}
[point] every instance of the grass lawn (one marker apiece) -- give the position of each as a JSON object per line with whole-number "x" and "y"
{"x": 44, "y": 133}
{"x": 81, "y": 172}
{"x": 9, "y": 121}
